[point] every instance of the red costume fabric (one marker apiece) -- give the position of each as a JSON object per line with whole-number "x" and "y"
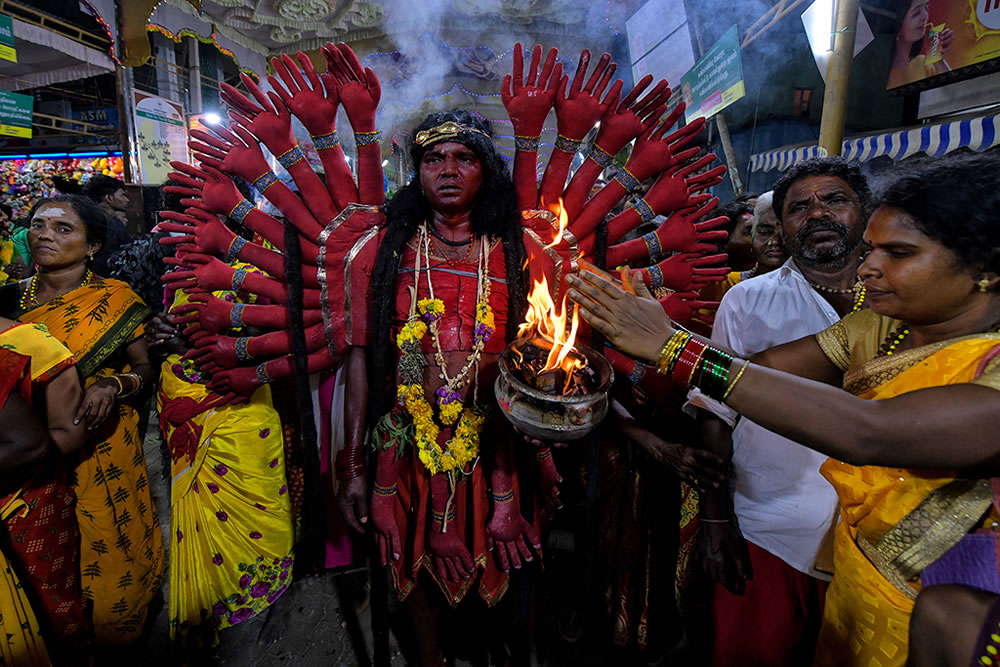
{"x": 455, "y": 283}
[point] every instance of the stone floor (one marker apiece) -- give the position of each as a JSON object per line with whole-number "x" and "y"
{"x": 328, "y": 621}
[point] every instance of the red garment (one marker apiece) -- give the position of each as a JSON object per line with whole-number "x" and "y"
{"x": 45, "y": 537}
{"x": 413, "y": 516}
{"x": 46, "y": 541}
{"x": 455, "y": 283}
{"x": 775, "y": 623}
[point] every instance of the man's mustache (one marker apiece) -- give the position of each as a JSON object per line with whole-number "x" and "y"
{"x": 821, "y": 225}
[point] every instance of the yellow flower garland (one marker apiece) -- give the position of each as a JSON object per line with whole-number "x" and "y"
{"x": 463, "y": 447}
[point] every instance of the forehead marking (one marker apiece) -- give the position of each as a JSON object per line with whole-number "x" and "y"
{"x": 50, "y": 211}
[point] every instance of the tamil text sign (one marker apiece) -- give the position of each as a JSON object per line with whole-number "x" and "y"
{"x": 15, "y": 114}
{"x": 716, "y": 80}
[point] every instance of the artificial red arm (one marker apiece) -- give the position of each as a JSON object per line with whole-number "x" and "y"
{"x": 619, "y": 126}
{"x": 271, "y": 123}
{"x": 212, "y": 275}
{"x": 230, "y": 351}
{"x": 214, "y": 315}
{"x": 575, "y": 116}
{"x": 360, "y": 92}
{"x": 318, "y": 114}
{"x": 528, "y": 102}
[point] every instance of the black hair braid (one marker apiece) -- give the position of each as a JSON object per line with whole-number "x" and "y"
{"x": 314, "y": 520}
{"x": 404, "y": 213}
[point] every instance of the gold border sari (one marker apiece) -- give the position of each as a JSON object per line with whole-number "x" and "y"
{"x": 894, "y": 521}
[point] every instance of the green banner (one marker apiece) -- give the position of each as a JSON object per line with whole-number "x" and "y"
{"x": 7, "y": 50}
{"x": 716, "y": 80}
{"x": 16, "y": 114}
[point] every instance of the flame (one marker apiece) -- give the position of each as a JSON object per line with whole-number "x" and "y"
{"x": 563, "y": 222}
{"x": 545, "y": 320}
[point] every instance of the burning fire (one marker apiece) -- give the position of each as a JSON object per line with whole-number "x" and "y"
{"x": 545, "y": 321}
{"x": 563, "y": 223}
{"x": 550, "y": 329}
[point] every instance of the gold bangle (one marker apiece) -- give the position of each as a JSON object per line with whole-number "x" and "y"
{"x": 121, "y": 387}
{"x": 670, "y": 350}
{"x": 736, "y": 379}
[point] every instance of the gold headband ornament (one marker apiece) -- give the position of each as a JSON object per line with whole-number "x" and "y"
{"x": 444, "y": 132}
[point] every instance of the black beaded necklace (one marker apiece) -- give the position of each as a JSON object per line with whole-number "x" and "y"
{"x": 899, "y": 334}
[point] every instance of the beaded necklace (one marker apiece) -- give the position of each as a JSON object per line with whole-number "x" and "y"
{"x": 899, "y": 334}
{"x": 30, "y": 297}
{"x": 853, "y": 289}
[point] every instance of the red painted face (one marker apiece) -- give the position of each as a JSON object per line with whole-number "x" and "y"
{"x": 909, "y": 275}
{"x": 450, "y": 177}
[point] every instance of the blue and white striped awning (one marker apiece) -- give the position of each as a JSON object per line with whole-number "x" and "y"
{"x": 977, "y": 134}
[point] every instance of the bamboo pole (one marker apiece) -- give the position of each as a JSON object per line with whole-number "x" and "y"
{"x": 838, "y": 75}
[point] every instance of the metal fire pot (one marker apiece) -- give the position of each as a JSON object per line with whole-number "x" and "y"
{"x": 553, "y": 417}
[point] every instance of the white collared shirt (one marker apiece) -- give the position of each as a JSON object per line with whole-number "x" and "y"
{"x": 781, "y": 501}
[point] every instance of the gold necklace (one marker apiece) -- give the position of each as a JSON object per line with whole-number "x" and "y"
{"x": 30, "y": 296}
{"x": 453, "y": 384}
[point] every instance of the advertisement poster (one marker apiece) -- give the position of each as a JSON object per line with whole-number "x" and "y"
{"x": 716, "y": 80}
{"x": 16, "y": 112}
{"x": 161, "y": 130}
{"x": 938, "y": 36}
{"x": 7, "y": 50}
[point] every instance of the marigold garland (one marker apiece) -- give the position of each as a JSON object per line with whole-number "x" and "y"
{"x": 463, "y": 447}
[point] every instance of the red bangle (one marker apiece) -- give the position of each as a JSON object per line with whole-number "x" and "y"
{"x": 350, "y": 463}
{"x": 685, "y": 367}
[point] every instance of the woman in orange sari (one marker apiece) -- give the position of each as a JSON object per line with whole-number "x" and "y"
{"x": 913, "y": 437}
{"x": 101, "y": 321}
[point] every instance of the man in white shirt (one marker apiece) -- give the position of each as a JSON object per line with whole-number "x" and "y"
{"x": 768, "y": 597}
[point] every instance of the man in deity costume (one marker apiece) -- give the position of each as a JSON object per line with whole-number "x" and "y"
{"x": 762, "y": 533}
{"x": 465, "y": 237}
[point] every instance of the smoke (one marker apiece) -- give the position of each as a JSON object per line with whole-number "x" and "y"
{"x": 449, "y": 54}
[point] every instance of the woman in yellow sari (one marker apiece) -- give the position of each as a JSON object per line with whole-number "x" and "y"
{"x": 101, "y": 322}
{"x": 913, "y": 439}
{"x": 38, "y": 503}
{"x": 231, "y": 517}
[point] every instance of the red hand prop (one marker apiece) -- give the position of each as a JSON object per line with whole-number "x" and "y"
{"x": 686, "y": 271}
{"x": 305, "y": 99}
{"x": 577, "y": 112}
{"x": 270, "y": 122}
{"x": 681, "y": 306}
{"x": 200, "y": 229}
{"x": 359, "y": 88}
{"x": 528, "y": 100}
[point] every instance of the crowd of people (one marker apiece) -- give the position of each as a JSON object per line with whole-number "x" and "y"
{"x": 796, "y": 467}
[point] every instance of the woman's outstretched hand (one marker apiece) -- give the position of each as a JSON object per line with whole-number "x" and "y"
{"x": 629, "y": 317}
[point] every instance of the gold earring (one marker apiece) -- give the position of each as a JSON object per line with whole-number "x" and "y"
{"x": 983, "y": 285}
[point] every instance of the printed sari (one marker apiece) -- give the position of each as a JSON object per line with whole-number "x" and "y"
{"x": 44, "y": 534}
{"x": 231, "y": 521}
{"x": 894, "y": 522}
{"x": 21, "y": 640}
{"x": 230, "y": 509}
{"x": 121, "y": 545}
